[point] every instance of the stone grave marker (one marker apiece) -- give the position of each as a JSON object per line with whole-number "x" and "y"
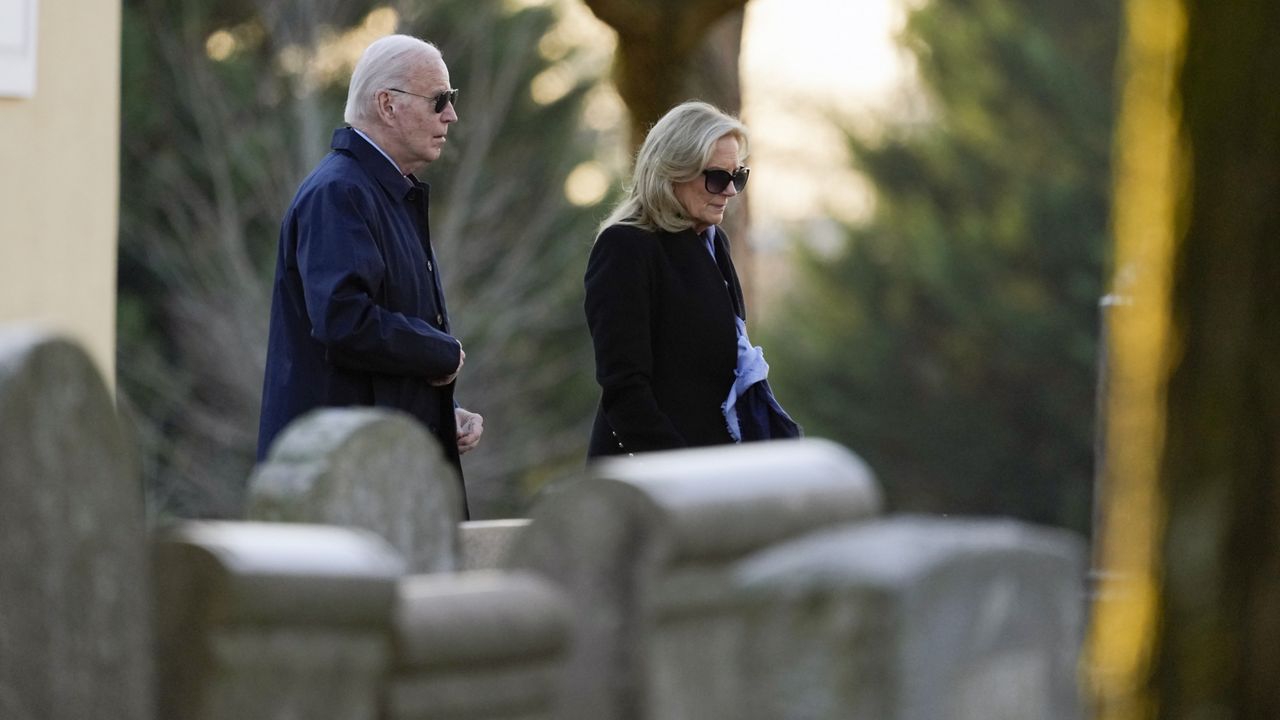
{"x": 916, "y": 618}
{"x": 486, "y": 544}
{"x": 643, "y": 548}
{"x": 74, "y": 625}
{"x": 478, "y": 645}
{"x": 364, "y": 467}
{"x": 280, "y": 621}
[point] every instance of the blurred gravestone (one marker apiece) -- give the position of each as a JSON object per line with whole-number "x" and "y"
{"x": 74, "y": 631}
{"x": 261, "y": 620}
{"x": 643, "y": 548}
{"x": 482, "y": 646}
{"x": 486, "y": 544}
{"x": 364, "y": 467}
{"x": 916, "y": 619}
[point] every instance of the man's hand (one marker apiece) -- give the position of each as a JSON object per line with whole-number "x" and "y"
{"x": 462, "y": 358}
{"x": 470, "y": 428}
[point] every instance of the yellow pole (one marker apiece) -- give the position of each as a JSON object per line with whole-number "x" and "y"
{"x": 1150, "y": 177}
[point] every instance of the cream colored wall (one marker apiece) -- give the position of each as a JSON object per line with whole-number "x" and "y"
{"x": 59, "y": 193}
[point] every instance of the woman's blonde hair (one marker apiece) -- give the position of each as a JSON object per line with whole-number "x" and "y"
{"x": 677, "y": 149}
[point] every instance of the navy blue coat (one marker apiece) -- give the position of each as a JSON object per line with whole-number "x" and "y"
{"x": 357, "y": 313}
{"x": 661, "y": 314}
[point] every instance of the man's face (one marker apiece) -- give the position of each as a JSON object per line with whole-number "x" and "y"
{"x": 419, "y": 130}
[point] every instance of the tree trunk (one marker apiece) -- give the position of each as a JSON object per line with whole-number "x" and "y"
{"x": 1189, "y": 624}
{"x": 661, "y": 47}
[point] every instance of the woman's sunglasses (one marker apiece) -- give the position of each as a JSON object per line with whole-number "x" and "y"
{"x": 441, "y": 101}
{"x": 717, "y": 180}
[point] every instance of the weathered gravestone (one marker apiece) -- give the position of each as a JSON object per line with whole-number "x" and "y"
{"x": 916, "y": 618}
{"x": 284, "y": 621}
{"x": 644, "y": 549}
{"x": 74, "y": 630}
{"x": 486, "y": 544}
{"x": 481, "y": 646}
{"x": 364, "y": 467}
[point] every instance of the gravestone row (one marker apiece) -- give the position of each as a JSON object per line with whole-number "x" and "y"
{"x": 750, "y": 582}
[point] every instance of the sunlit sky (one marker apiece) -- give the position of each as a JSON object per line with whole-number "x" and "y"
{"x": 803, "y": 62}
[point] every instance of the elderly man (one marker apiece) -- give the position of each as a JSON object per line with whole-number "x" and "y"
{"x": 358, "y": 314}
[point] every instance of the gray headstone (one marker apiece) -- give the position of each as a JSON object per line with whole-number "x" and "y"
{"x": 642, "y": 549}
{"x": 486, "y": 544}
{"x": 916, "y": 618}
{"x": 482, "y": 646}
{"x": 276, "y": 621}
{"x": 74, "y": 629}
{"x": 364, "y": 467}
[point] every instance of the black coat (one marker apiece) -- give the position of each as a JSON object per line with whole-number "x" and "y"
{"x": 661, "y": 315}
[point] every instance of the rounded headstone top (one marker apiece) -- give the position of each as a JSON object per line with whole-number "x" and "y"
{"x": 28, "y": 350}
{"x": 725, "y": 501}
{"x": 373, "y": 468}
{"x": 289, "y": 573}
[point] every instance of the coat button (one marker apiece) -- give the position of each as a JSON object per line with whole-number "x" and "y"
{"x": 439, "y": 319}
{"x": 429, "y": 269}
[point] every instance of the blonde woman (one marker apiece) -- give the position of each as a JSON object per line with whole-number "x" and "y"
{"x": 663, "y": 302}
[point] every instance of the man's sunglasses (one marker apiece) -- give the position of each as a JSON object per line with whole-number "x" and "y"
{"x": 440, "y": 101}
{"x": 717, "y": 180}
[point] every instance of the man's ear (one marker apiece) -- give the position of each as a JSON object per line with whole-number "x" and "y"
{"x": 386, "y": 108}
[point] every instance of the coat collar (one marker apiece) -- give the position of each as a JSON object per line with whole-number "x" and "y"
{"x": 346, "y": 139}
{"x": 723, "y": 262}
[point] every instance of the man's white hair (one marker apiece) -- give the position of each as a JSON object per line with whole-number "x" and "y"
{"x": 387, "y": 63}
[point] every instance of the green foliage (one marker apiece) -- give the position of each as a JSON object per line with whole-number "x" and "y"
{"x": 952, "y": 338}
{"x": 212, "y": 152}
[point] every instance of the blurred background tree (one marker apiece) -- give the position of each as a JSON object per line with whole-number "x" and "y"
{"x": 664, "y": 58}
{"x": 1187, "y": 623}
{"x": 226, "y": 106}
{"x": 951, "y": 337}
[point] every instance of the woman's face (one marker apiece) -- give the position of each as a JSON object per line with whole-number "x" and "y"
{"x": 705, "y": 208}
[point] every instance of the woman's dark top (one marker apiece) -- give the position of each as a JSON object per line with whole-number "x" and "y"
{"x": 661, "y": 314}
